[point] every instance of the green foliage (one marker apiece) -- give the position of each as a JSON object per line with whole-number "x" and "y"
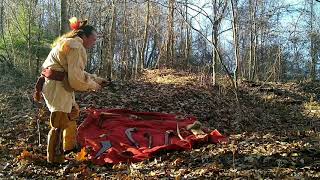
{"x": 24, "y": 43}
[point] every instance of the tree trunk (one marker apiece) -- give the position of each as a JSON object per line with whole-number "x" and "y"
{"x": 170, "y": 35}
{"x": 13, "y": 50}
{"x": 218, "y": 5}
{"x": 187, "y": 38}
{"x": 124, "y": 59}
{"x": 39, "y": 42}
{"x": 1, "y": 18}
{"x": 152, "y": 56}
{"x": 137, "y": 59}
{"x": 313, "y": 74}
{"x": 145, "y": 37}
{"x": 251, "y": 41}
{"x": 235, "y": 26}
{"x": 254, "y": 54}
{"x": 214, "y": 39}
{"x": 279, "y": 76}
{"x": 112, "y": 40}
{"x": 29, "y": 37}
{"x": 63, "y": 17}
{"x": 136, "y": 47}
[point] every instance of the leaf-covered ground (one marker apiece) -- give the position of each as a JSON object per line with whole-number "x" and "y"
{"x": 273, "y": 131}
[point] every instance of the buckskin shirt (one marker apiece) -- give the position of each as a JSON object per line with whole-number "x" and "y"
{"x": 68, "y": 56}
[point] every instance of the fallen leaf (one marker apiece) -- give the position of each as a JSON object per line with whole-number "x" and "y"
{"x": 81, "y": 156}
{"x": 178, "y": 177}
{"x": 177, "y": 162}
{"x": 119, "y": 167}
{"x": 152, "y": 173}
{"x": 24, "y": 155}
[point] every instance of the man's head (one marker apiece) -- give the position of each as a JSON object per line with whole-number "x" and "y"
{"x": 81, "y": 29}
{"x": 88, "y": 35}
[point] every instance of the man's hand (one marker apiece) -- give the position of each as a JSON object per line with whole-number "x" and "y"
{"x": 97, "y": 87}
{"x": 105, "y": 82}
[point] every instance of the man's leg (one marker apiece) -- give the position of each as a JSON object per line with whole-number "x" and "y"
{"x": 58, "y": 122}
{"x": 70, "y": 133}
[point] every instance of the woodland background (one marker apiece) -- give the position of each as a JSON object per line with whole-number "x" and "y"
{"x": 266, "y": 40}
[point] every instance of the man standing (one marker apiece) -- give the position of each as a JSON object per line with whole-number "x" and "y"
{"x": 62, "y": 74}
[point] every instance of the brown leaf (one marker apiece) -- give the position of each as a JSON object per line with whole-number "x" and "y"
{"x": 177, "y": 162}
{"x": 119, "y": 167}
{"x": 25, "y": 155}
{"x": 178, "y": 177}
{"x": 81, "y": 156}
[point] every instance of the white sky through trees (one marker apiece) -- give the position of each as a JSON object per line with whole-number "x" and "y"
{"x": 294, "y": 22}
{"x": 288, "y": 20}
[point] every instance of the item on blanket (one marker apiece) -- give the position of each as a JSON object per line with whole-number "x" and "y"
{"x": 129, "y": 132}
{"x": 167, "y": 137}
{"x": 104, "y": 116}
{"x": 178, "y": 132}
{"x": 148, "y": 136}
{"x": 195, "y": 128}
{"x": 100, "y": 122}
{"x": 105, "y": 146}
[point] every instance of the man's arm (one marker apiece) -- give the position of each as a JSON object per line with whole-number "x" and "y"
{"x": 77, "y": 77}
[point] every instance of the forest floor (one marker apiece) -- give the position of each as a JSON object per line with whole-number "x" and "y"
{"x": 273, "y": 132}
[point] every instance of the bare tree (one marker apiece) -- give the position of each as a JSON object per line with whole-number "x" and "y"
{"x": 219, "y": 8}
{"x": 2, "y": 23}
{"x": 63, "y": 17}
{"x": 124, "y": 58}
{"x": 188, "y": 40}
{"x": 253, "y": 39}
{"x": 235, "y": 28}
{"x": 312, "y": 34}
{"x": 111, "y": 44}
{"x": 1, "y": 17}
{"x": 145, "y": 36}
{"x": 170, "y": 34}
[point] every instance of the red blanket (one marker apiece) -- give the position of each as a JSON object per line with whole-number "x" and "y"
{"x": 111, "y": 124}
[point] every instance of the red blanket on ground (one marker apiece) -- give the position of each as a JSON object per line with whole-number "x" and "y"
{"x": 111, "y": 124}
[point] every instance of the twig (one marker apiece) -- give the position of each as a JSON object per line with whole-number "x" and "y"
{"x": 38, "y": 110}
{"x": 39, "y": 133}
